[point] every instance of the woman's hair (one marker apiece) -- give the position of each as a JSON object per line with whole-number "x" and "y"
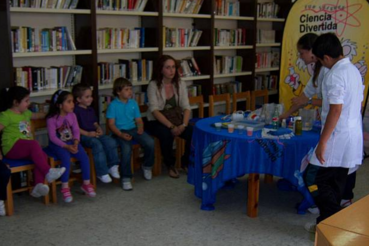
{"x": 119, "y": 84}
{"x": 57, "y": 99}
{"x": 306, "y": 42}
{"x": 8, "y": 96}
{"x": 79, "y": 89}
{"x": 158, "y": 76}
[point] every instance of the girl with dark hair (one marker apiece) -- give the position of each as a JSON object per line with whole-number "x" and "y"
{"x": 17, "y": 142}
{"x": 64, "y": 138}
{"x": 167, "y": 92}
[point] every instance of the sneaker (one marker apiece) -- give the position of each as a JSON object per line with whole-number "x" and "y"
{"x": 67, "y": 196}
{"x": 147, "y": 173}
{"x": 88, "y": 190}
{"x": 40, "y": 190}
{"x": 105, "y": 178}
{"x": 127, "y": 185}
{"x": 310, "y": 227}
{"x": 345, "y": 203}
{"x": 113, "y": 171}
{"x": 314, "y": 210}
{"x": 2, "y": 208}
{"x": 54, "y": 174}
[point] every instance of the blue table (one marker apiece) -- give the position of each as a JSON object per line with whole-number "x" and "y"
{"x": 219, "y": 156}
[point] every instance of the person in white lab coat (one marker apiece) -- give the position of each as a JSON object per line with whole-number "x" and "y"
{"x": 341, "y": 143}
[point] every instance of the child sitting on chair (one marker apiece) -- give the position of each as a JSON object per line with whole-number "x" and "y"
{"x": 104, "y": 148}
{"x": 124, "y": 120}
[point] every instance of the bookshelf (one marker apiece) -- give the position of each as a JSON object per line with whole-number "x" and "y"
{"x": 86, "y": 20}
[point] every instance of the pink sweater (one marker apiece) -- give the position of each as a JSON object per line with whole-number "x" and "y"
{"x": 63, "y": 128}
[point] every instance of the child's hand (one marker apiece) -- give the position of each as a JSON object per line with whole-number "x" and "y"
{"x": 92, "y": 134}
{"x": 126, "y": 136}
{"x": 99, "y": 131}
{"x": 140, "y": 130}
{"x": 71, "y": 148}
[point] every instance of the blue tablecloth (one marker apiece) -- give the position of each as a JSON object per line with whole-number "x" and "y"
{"x": 219, "y": 156}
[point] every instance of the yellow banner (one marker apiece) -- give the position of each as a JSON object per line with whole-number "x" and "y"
{"x": 348, "y": 19}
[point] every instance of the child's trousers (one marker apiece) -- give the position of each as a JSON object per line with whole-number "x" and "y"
{"x": 105, "y": 152}
{"x": 64, "y": 155}
{"x": 31, "y": 150}
{"x": 4, "y": 179}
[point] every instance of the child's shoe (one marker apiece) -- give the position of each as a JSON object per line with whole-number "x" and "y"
{"x": 345, "y": 203}
{"x": 54, "y": 174}
{"x": 2, "y": 208}
{"x": 314, "y": 210}
{"x": 113, "y": 171}
{"x": 67, "y": 196}
{"x": 105, "y": 178}
{"x": 310, "y": 227}
{"x": 147, "y": 173}
{"x": 127, "y": 185}
{"x": 88, "y": 190}
{"x": 40, "y": 190}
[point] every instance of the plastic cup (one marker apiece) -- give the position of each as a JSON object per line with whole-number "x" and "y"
{"x": 240, "y": 129}
{"x": 230, "y": 128}
{"x": 218, "y": 126}
{"x": 250, "y": 130}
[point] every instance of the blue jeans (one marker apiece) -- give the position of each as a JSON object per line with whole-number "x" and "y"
{"x": 64, "y": 155}
{"x": 105, "y": 152}
{"x": 146, "y": 142}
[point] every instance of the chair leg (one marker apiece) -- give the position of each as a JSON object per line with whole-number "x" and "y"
{"x": 53, "y": 184}
{"x": 92, "y": 168}
{"x": 268, "y": 178}
{"x": 9, "y": 205}
{"x": 157, "y": 165}
{"x": 178, "y": 153}
{"x": 47, "y": 197}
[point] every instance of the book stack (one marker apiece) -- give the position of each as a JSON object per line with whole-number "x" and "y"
{"x": 228, "y": 64}
{"x": 267, "y": 59}
{"x": 230, "y": 87}
{"x": 28, "y": 39}
{"x": 140, "y": 97}
{"x": 265, "y": 36}
{"x": 189, "y": 67}
{"x": 227, "y": 7}
{"x": 267, "y": 10}
{"x": 181, "y": 37}
{"x": 45, "y": 4}
{"x": 182, "y": 6}
{"x": 104, "y": 101}
{"x": 230, "y": 37}
{"x": 121, "y": 5}
{"x": 120, "y": 38}
{"x": 41, "y": 78}
{"x": 135, "y": 70}
{"x": 194, "y": 90}
{"x": 268, "y": 82}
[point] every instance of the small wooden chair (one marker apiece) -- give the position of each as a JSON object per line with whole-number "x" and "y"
{"x": 256, "y": 94}
{"x": 241, "y": 95}
{"x": 219, "y": 98}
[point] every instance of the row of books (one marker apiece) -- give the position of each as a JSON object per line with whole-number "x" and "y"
{"x": 194, "y": 90}
{"x": 267, "y": 10}
{"x": 188, "y": 67}
{"x": 134, "y": 70}
{"x": 45, "y": 4}
{"x": 227, "y": 7}
{"x": 181, "y": 37}
{"x": 267, "y": 59}
{"x": 120, "y": 38}
{"x": 121, "y": 5}
{"x": 265, "y": 36}
{"x": 230, "y": 87}
{"x": 228, "y": 64}
{"x": 41, "y": 78}
{"x": 268, "y": 82}
{"x": 230, "y": 37}
{"x": 28, "y": 39}
{"x": 182, "y": 6}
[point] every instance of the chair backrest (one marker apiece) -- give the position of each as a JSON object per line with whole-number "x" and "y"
{"x": 199, "y": 100}
{"x": 37, "y": 124}
{"x": 219, "y": 98}
{"x": 256, "y": 94}
{"x": 241, "y": 95}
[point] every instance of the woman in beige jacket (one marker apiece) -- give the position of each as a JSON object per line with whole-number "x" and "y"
{"x": 166, "y": 91}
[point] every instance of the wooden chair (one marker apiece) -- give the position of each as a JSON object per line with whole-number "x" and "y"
{"x": 219, "y": 98}
{"x": 199, "y": 101}
{"x": 17, "y": 166}
{"x": 241, "y": 95}
{"x": 257, "y": 94}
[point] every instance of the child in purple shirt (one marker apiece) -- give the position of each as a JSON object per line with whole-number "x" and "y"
{"x": 64, "y": 136}
{"x": 104, "y": 148}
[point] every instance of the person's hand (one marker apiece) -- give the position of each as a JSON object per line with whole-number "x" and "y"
{"x": 300, "y": 101}
{"x": 140, "y": 130}
{"x": 176, "y": 131}
{"x": 99, "y": 132}
{"x": 71, "y": 148}
{"x": 181, "y": 129}
{"x": 319, "y": 152}
{"x": 92, "y": 134}
{"x": 126, "y": 136}
{"x": 283, "y": 116}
